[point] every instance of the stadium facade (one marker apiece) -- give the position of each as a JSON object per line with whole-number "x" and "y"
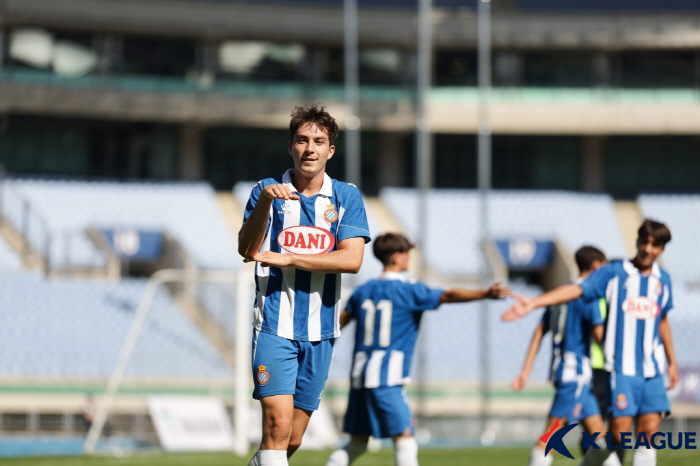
{"x": 591, "y": 96}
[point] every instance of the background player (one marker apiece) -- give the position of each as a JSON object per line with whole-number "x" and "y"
{"x": 638, "y": 294}
{"x": 388, "y": 312}
{"x": 572, "y": 326}
{"x": 297, "y": 295}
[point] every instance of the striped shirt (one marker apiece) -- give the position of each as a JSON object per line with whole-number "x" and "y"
{"x": 293, "y": 303}
{"x": 636, "y": 305}
{"x": 572, "y": 326}
{"x": 388, "y": 312}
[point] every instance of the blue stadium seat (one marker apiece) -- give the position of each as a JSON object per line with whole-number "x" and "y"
{"x": 188, "y": 211}
{"x": 71, "y": 328}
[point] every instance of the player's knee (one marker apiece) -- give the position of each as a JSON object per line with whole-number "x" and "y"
{"x": 278, "y": 428}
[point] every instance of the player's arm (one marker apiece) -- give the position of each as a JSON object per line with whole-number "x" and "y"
{"x": 345, "y": 318}
{"x": 667, "y": 341}
{"x": 346, "y": 259}
{"x": 521, "y": 379}
{"x": 461, "y": 295}
{"x": 252, "y": 233}
{"x": 525, "y": 305}
{"x": 598, "y": 333}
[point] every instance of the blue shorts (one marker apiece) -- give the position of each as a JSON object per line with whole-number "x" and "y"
{"x": 380, "y": 412}
{"x": 573, "y": 401}
{"x": 633, "y": 396}
{"x": 291, "y": 367}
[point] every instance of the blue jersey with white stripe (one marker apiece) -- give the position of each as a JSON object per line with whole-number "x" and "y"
{"x": 387, "y": 311}
{"x": 636, "y": 305}
{"x": 572, "y": 326}
{"x": 293, "y": 303}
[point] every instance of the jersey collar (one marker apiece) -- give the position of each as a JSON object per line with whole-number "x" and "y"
{"x": 393, "y": 276}
{"x": 326, "y": 188}
{"x": 632, "y": 270}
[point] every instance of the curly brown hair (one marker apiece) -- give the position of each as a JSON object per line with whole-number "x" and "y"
{"x": 313, "y": 114}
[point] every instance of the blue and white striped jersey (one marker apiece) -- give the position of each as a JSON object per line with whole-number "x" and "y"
{"x": 636, "y": 304}
{"x": 293, "y": 303}
{"x": 387, "y": 311}
{"x": 571, "y": 325}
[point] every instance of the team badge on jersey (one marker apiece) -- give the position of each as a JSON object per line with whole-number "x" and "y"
{"x": 621, "y": 402}
{"x": 330, "y": 214}
{"x": 263, "y": 376}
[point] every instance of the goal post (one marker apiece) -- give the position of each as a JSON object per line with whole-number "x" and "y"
{"x": 242, "y": 282}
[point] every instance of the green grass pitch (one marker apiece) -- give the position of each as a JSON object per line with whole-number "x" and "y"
{"x": 426, "y": 457}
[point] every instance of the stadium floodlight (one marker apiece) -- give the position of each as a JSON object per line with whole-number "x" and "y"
{"x": 242, "y": 348}
{"x": 32, "y": 46}
{"x": 73, "y": 60}
{"x": 241, "y": 57}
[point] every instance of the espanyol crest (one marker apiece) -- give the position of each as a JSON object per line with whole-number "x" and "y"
{"x": 306, "y": 240}
{"x": 641, "y": 307}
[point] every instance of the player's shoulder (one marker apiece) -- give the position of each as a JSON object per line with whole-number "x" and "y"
{"x": 665, "y": 276}
{"x": 612, "y": 268}
{"x": 268, "y": 181}
{"x": 343, "y": 188}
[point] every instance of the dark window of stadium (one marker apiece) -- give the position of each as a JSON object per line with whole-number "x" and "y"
{"x": 162, "y": 57}
{"x": 455, "y": 161}
{"x": 558, "y": 69}
{"x": 635, "y": 164}
{"x": 244, "y": 154}
{"x": 388, "y": 160}
{"x": 658, "y": 69}
{"x": 131, "y": 151}
{"x": 455, "y": 68}
{"x": 535, "y": 162}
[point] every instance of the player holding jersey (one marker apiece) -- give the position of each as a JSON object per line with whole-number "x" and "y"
{"x": 638, "y": 295}
{"x": 573, "y": 325}
{"x": 303, "y": 229}
{"x": 388, "y": 312}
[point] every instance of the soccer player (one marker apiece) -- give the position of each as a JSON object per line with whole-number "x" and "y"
{"x": 303, "y": 229}
{"x": 388, "y": 311}
{"x": 572, "y": 326}
{"x": 638, "y": 295}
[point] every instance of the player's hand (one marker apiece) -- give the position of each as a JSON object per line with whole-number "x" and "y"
{"x": 278, "y": 191}
{"x": 523, "y": 305}
{"x": 496, "y": 291}
{"x": 269, "y": 258}
{"x": 519, "y": 382}
{"x": 672, "y": 376}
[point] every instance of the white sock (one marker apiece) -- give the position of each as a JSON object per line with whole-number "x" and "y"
{"x": 406, "y": 452}
{"x": 613, "y": 460}
{"x": 273, "y": 458}
{"x": 537, "y": 457}
{"x": 644, "y": 457}
{"x": 346, "y": 455}
{"x": 600, "y": 457}
{"x": 255, "y": 460}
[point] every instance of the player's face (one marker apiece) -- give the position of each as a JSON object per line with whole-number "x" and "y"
{"x": 310, "y": 148}
{"x": 648, "y": 251}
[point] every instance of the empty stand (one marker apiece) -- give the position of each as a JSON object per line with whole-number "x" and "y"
{"x": 75, "y": 329}
{"x": 452, "y": 246}
{"x": 188, "y": 211}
